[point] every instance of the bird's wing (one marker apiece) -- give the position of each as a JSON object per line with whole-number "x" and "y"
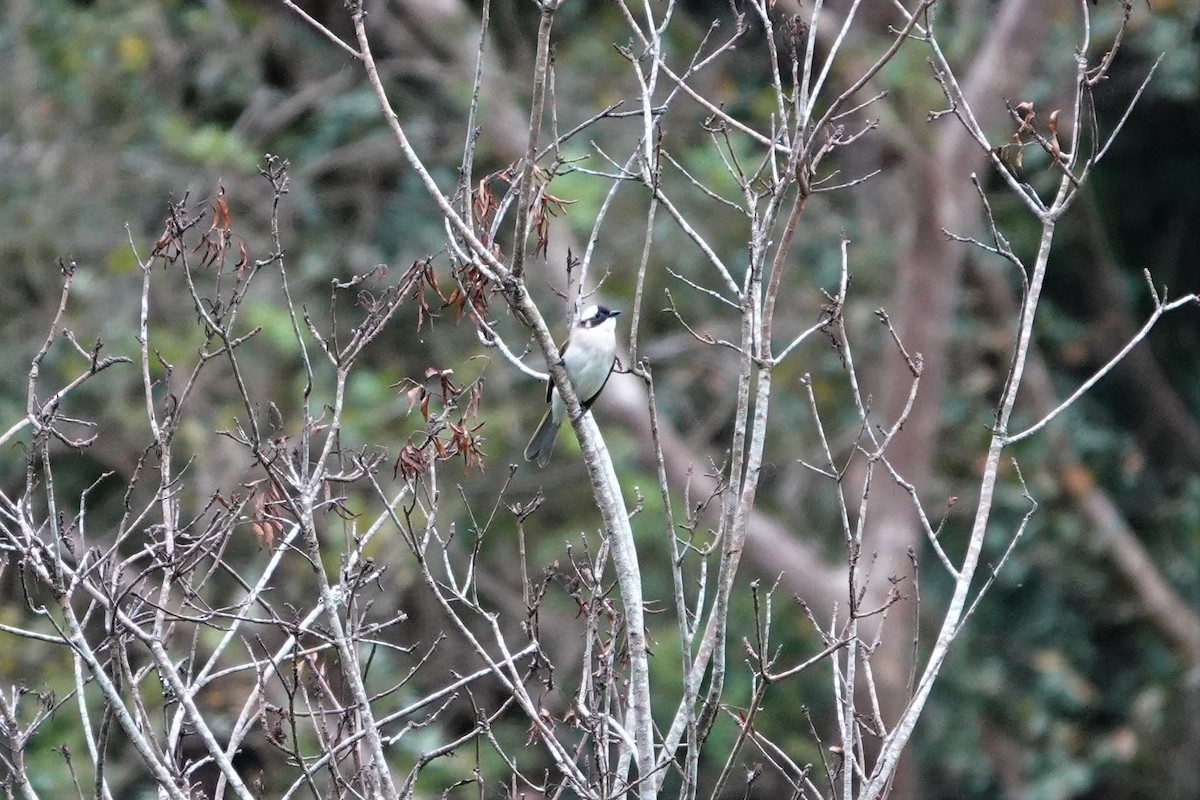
{"x": 562, "y": 349}
{"x": 588, "y": 402}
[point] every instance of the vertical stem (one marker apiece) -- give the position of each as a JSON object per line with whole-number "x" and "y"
{"x": 780, "y": 260}
{"x": 379, "y": 777}
{"x": 540, "y": 67}
{"x": 894, "y": 744}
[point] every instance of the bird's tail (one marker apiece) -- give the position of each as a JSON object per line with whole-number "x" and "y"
{"x": 541, "y": 446}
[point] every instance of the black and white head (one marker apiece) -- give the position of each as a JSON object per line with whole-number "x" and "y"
{"x": 595, "y": 316}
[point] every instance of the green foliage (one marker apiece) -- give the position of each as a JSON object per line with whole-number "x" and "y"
{"x": 117, "y": 106}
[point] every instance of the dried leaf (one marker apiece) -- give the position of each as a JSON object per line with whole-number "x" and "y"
{"x": 220, "y": 211}
{"x": 243, "y": 260}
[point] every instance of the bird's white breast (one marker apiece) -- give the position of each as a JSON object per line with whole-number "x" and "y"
{"x": 588, "y": 359}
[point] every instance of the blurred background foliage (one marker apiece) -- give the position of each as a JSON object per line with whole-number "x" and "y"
{"x": 1059, "y": 689}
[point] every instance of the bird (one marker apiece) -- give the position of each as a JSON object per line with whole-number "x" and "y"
{"x": 588, "y": 356}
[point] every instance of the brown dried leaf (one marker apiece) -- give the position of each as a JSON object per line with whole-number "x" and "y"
{"x": 243, "y": 261}
{"x": 414, "y": 395}
{"x": 220, "y": 211}
{"x": 265, "y": 527}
